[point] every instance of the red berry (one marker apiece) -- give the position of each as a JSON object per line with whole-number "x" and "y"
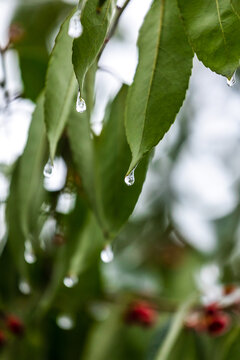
{"x": 211, "y": 309}
{"x": 15, "y": 325}
{"x": 218, "y": 324}
{"x": 141, "y": 313}
{"x": 3, "y": 339}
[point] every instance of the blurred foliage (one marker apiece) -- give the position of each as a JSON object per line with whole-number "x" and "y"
{"x": 85, "y": 280}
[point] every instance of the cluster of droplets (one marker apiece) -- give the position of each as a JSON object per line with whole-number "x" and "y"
{"x": 75, "y": 28}
{"x": 48, "y": 169}
{"x": 232, "y": 81}
{"x": 80, "y": 104}
{"x": 70, "y": 280}
{"x": 29, "y": 254}
{"x": 130, "y": 178}
{"x": 107, "y": 254}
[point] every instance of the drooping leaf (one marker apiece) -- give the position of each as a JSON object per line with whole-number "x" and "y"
{"x": 102, "y": 163}
{"x": 112, "y": 156}
{"x": 161, "y": 79}
{"x": 26, "y": 186}
{"x": 213, "y": 28}
{"x": 60, "y": 88}
{"x": 87, "y": 46}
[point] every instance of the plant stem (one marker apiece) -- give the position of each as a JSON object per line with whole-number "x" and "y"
{"x": 3, "y": 82}
{"x": 114, "y": 25}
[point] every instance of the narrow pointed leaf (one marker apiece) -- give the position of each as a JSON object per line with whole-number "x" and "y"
{"x": 102, "y": 164}
{"x": 214, "y": 30}
{"x": 161, "y": 79}
{"x": 112, "y": 156}
{"x": 26, "y": 186}
{"x": 87, "y": 46}
{"x": 60, "y": 87}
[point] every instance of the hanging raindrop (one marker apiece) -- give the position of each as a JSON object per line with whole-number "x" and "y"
{"x": 29, "y": 255}
{"x": 232, "y": 81}
{"x": 80, "y": 104}
{"x": 65, "y": 322}
{"x": 75, "y": 28}
{"x": 130, "y": 179}
{"x": 70, "y": 281}
{"x": 24, "y": 287}
{"x": 107, "y": 254}
{"x": 48, "y": 169}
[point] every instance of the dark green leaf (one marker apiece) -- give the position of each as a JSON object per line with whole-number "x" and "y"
{"x": 214, "y": 30}
{"x": 102, "y": 163}
{"x": 26, "y": 186}
{"x": 161, "y": 79}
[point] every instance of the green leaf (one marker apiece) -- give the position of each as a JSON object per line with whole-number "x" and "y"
{"x": 161, "y": 79}
{"x": 60, "y": 87}
{"x": 26, "y": 187}
{"x": 88, "y": 45}
{"x": 102, "y": 163}
{"x": 214, "y": 30}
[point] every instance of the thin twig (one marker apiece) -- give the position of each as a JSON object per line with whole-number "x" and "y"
{"x": 3, "y": 82}
{"x": 114, "y": 25}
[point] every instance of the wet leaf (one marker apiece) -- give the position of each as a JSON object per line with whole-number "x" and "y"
{"x": 161, "y": 79}
{"x": 213, "y": 28}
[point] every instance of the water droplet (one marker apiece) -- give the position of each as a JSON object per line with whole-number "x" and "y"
{"x": 48, "y": 169}
{"x": 80, "y": 104}
{"x": 130, "y": 179}
{"x": 107, "y": 254}
{"x": 24, "y": 287}
{"x": 65, "y": 322}
{"x": 75, "y": 28}
{"x": 29, "y": 255}
{"x": 70, "y": 281}
{"x": 232, "y": 81}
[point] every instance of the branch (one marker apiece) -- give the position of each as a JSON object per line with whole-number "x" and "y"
{"x": 114, "y": 25}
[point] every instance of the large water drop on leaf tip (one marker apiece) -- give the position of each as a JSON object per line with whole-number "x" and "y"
{"x": 130, "y": 179}
{"x": 70, "y": 281}
{"x": 29, "y": 255}
{"x": 48, "y": 169}
{"x": 75, "y": 28}
{"x": 80, "y": 104}
{"x": 107, "y": 254}
{"x": 232, "y": 81}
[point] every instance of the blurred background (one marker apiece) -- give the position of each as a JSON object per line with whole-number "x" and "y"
{"x": 182, "y": 236}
